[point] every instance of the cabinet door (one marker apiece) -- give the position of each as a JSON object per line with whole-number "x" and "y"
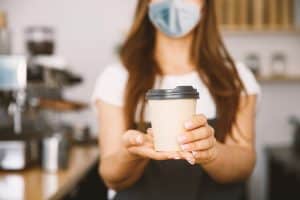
{"x": 283, "y": 183}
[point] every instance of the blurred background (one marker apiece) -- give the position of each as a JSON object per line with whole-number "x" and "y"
{"x": 63, "y": 45}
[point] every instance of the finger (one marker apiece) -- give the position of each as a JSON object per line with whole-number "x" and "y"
{"x": 160, "y": 155}
{"x": 195, "y": 122}
{"x": 166, "y": 155}
{"x": 151, "y": 153}
{"x": 133, "y": 138}
{"x": 150, "y": 132}
{"x": 148, "y": 143}
{"x": 188, "y": 156}
{"x": 200, "y": 145}
{"x": 196, "y": 134}
{"x": 204, "y": 155}
{"x": 175, "y": 155}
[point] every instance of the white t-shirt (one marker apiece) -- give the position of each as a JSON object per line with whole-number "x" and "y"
{"x": 110, "y": 87}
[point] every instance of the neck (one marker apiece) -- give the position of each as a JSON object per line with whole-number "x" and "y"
{"x": 173, "y": 55}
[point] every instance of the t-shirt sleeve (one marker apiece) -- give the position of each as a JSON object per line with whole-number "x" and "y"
{"x": 110, "y": 85}
{"x": 251, "y": 84}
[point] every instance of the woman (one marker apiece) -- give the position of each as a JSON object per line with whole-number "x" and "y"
{"x": 175, "y": 43}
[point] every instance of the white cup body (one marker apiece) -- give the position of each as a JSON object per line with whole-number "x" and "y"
{"x": 167, "y": 119}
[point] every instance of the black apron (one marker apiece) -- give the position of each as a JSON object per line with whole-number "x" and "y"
{"x": 178, "y": 180}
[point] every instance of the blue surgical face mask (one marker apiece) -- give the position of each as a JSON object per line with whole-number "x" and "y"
{"x": 175, "y": 18}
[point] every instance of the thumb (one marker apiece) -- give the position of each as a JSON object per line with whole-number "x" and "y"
{"x": 150, "y": 132}
{"x": 133, "y": 138}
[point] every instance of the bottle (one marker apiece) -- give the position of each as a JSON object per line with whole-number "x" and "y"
{"x": 252, "y": 61}
{"x": 5, "y": 47}
{"x": 279, "y": 65}
{"x": 40, "y": 40}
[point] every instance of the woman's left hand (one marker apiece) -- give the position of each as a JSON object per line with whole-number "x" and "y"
{"x": 198, "y": 142}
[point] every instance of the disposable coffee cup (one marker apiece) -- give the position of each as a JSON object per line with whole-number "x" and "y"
{"x": 168, "y": 110}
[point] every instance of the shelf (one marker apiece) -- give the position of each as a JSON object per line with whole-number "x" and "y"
{"x": 279, "y": 79}
{"x": 245, "y": 31}
{"x": 257, "y": 16}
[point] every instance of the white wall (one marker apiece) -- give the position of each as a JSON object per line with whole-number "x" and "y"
{"x": 88, "y": 31}
{"x": 265, "y": 45}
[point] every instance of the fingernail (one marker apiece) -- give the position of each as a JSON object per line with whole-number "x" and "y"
{"x": 181, "y": 138}
{"x": 188, "y": 125}
{"x": 139, "y": 139}
{"x": 194, "y": 153}
{"x": 185, "y": 146}
{"x": 176, "y": 157}
{"x": 191, "y": 161}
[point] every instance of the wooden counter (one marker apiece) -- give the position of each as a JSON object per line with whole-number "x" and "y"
{"x": 35, "y": 184}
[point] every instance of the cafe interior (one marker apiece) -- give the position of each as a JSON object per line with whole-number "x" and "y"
{"x": 51, "y": 53}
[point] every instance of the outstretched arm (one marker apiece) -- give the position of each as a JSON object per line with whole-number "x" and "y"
{"x": 231, "y": 161}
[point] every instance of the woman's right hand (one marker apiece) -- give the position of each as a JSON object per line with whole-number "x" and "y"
{"x": 141, "y": 145}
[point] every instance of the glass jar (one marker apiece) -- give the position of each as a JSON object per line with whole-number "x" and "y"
{"x": 40, "y": 40}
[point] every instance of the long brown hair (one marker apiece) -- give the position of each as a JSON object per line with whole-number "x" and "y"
{"x": 208, "y": 53}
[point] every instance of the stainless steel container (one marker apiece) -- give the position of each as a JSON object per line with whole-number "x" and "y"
{"x": 40, "y": 40}
{"x": 55, "y": 153}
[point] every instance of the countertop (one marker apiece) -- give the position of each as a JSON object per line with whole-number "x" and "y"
{"x": 35, "y": 184}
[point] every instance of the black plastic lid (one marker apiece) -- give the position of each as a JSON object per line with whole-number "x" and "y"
{"x": 180, "y": 92}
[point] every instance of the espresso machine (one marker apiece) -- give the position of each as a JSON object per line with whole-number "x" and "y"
{"x": 18, "y": 148}
{"x": 32, "y": 105}
{"x": 30, "y": 120}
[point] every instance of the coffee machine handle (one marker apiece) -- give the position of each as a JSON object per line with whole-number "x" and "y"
{"x": 15, "y": 109}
